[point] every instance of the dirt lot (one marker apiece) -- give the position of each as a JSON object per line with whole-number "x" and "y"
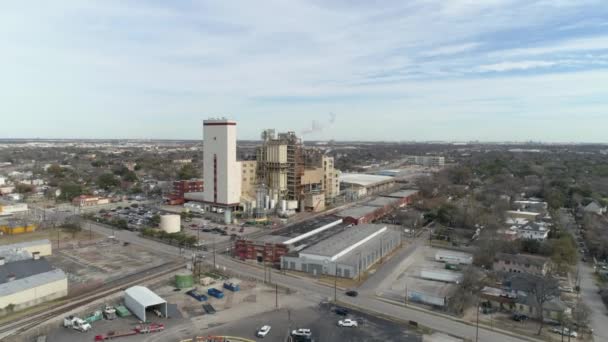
{"x": 52, "y": 234}
{"x": 102, "y": 261}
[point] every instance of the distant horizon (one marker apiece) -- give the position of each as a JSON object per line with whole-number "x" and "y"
{"x": 531, "y": 143}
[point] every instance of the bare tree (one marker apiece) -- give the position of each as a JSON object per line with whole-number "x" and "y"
{"x": 543, "y": 289}
{"x": 581, "y": 315}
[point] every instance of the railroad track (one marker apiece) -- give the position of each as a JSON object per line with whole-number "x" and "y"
{"x": 24, "y": 324}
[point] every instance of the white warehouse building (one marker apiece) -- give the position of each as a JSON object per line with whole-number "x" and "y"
{"x": 26, "y": 283}
{"x": 347, "y": 253}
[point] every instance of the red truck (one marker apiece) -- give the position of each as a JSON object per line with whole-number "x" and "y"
{"x": 141, "y": 329}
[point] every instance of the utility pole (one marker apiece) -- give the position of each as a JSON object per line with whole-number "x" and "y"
{"x": 359, "y": 266}
{"x": 214, "y": 253}
{"x": 477, "y": 326}
{"x": 336, "y": 282}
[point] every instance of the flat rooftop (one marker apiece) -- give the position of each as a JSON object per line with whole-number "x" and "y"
{"x": 382, "y": 202}
{"x": 435, "y": 288}
{"x": 23, "y": 269}
{"x": 301, "y": 229}
{"x": 357, "y": 212}
{"x": 20, "y": 245}
{"x": 402, "y": 193}
{"x": 364, "y": 179}
{"x": 343, "y": 240}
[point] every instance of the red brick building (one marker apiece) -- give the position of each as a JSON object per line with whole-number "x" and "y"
{"x": 183, "y": 186}
{"x": 261, "y": 251}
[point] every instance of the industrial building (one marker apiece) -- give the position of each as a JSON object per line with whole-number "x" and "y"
{"x": 427, "y": 292}
{"x": 345, "y": 254}
{"x": 428, "y": 161}
{"x": 9, "y": 208}
{"x": 42, "y": 247}
{"x": 221, "y": 171}
{"x": 89, "y": 201}
{"x": 272, "y": 247}
{"x": 181, "y": 187}
{"x": 249, "y": 178}
{"x": 377, "y": 208}
{"x": 287, "y": 171}
{"x": 28, "y": 282}
{"x": 17, "y": 227}
{"x": 140, "y": 299}
{"x": 358, "y": 185}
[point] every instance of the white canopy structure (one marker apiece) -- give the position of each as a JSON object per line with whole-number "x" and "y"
{"x": 139, "y": 298}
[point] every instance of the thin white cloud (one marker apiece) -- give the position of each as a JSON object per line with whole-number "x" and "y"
{"x": 450, "y": 49}
{"x": 510, "y": 66}
{"x": 573, "y": 45}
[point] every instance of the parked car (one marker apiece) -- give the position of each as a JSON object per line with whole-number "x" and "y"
{"x": 301, "y": 332}
{"x": 348, "y": 323}
{"x": 341, "y": 311}
{"x": 519, "y": 317}
{"x": 263, "y": 331}
{"x": 564, "y": 331}
{"x": 352, "y": 293}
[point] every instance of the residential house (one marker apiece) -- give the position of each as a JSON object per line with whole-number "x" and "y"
{"x": 533, "y": 230}
{"x": 594, "y": 208}
{"x": 521, "y": 263}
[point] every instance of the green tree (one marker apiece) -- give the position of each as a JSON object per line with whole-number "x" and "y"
{"x": 107, "y": 181}
{"x": 69, "y": 191}
{"x": 129, "y": 176}
{"x": 188, "y": 171}
{"x": 155, "y": 220}
{"x": 55, "y": 170}
{"x": 24, "y": 188}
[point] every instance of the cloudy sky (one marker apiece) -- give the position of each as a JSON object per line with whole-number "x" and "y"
{"x": 348, "y": 70}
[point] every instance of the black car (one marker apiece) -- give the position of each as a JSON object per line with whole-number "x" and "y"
{"x": 341, "y": 311}
{"x": 519, "y": 317}
{"x": 352, "y": 293}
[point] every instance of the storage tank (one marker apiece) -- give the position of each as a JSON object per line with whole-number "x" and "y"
{"x": 170, "y": 223}
{"x": 283, "y": 205}
{"x": 184, "y": 281}
{"x": 272, "y": 204}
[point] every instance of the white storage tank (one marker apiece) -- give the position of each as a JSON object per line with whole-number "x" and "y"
{"x": 170, "y": 223}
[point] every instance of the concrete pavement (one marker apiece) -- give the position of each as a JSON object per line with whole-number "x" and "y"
{"x": 599, "y": 318}
{"x": 320, "y": 292}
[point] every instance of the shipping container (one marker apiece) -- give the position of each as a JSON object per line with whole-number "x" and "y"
{"x": 454, "y": 257}
{"x": 441, "y": 275}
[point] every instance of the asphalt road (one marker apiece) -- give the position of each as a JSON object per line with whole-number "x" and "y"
{"x": 589, "y": 290}
{"x": 320, "y": 292}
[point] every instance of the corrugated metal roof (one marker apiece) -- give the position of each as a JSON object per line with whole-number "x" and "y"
{"x": 357, "y": 212}
{"x": 25, "y": 244}
{"x": 364, "y": 179}
{"x": 339, "y": 242}
{"x": 402, "y": 193}
{"x": 144, "y": 296}
{"x": 36, "y": 280}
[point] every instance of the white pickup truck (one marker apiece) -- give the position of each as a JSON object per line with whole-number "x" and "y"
{"x": 76, "y": 324}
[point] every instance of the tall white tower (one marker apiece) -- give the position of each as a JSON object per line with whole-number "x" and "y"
{"x": 221, "y": 171}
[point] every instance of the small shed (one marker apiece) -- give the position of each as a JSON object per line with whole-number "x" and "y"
{"x": 138, "y": 299}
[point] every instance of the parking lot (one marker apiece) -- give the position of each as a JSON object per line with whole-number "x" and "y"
{"x": 322, "y": 321}
{"x": 209, "y": 232}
